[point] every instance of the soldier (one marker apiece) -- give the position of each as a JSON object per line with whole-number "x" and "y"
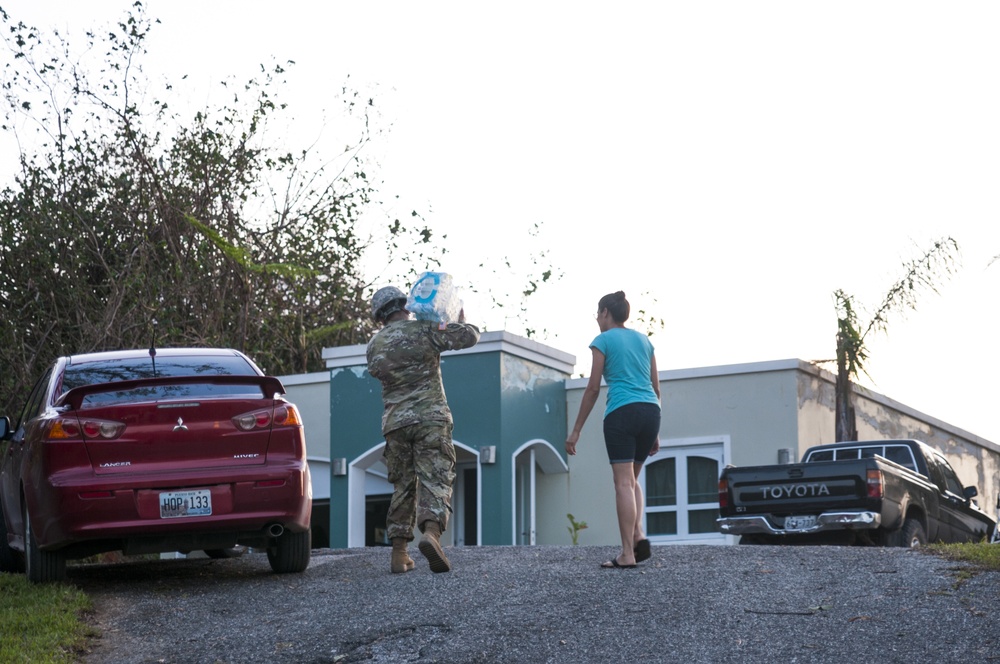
{"x": 405, "y": 356}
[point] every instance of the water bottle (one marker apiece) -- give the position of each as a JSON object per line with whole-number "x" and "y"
{"x": 433, "y": 298}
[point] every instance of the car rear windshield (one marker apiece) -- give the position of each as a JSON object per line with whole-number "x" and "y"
{"x": 111, "y": 371}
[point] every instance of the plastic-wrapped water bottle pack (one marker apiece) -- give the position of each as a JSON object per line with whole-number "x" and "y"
{"x": 434, "y": 297}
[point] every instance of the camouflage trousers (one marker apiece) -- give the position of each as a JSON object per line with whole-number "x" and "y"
{"x": 421, "y": 463}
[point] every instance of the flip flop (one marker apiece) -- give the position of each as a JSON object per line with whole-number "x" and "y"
{"x": 643, "y": 551}
{"x": 614, "y": 564}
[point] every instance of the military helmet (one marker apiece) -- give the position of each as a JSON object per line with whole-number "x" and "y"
{"x": 386, "y": 302}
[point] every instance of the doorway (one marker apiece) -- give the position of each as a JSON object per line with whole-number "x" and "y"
{"x": 369, "y": 494}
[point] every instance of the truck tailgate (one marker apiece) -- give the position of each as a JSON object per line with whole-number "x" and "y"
{"x": 798, "y": 488}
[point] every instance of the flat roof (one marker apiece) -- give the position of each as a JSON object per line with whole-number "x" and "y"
{"x": 489, "y": 342}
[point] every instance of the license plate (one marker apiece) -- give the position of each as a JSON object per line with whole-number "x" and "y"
{"x": 799, "y": 522}
{"x": 175, "y": 504}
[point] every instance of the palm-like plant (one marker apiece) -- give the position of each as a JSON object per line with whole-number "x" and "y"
{"x": 852, "y": 354}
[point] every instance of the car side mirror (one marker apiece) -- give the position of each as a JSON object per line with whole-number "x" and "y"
{"x": 970, "y": 492}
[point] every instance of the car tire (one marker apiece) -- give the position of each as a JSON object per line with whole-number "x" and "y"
{"x": 10, "y": 560}
{"x": 289, "y": 553}
{"x": 41, "y": 566}
{"x": 911, "y": 535}
{"x": 221, "y": 554}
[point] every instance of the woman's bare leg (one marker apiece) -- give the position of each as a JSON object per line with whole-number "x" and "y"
{"x": 625, "y": 505}
{"x": 640, "y": 505}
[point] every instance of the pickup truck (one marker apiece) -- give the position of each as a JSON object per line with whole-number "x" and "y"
{"x": 885, "y": 492}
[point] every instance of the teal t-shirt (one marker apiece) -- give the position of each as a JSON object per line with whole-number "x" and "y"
{"x": 627, "y": 357}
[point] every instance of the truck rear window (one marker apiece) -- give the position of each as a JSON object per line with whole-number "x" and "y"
{"x": 900, "y": 454}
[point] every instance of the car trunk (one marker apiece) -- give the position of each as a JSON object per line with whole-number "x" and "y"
{"x": 175, "y": 424}
{"x": 176, "y": 436}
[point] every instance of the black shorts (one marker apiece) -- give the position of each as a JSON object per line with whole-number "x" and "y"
{"x": 631, "y": 431}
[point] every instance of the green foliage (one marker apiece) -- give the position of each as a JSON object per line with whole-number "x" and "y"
{"x": 574, "y": 528}
{"x": 127, "y": 224}
{"x": 41, "y": 623}
{"x": 532, "y": 266}
{"x": 851, "y": 351}
{"x": 645, "y": 320}
{"x": 919, "y": 275}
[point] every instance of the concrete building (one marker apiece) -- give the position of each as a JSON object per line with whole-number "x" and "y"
{"x": 513, "y": 400}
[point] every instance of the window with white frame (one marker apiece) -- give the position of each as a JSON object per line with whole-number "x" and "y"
{"x": 681, "y": 484}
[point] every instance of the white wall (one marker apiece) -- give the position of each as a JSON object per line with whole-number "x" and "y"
{"x": 311, "y": 394}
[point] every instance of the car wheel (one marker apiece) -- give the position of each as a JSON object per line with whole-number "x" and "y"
{"x": 220, "y": 554}
{"x": 41, "y": 566}
{"x": 911, "y": 535}
{"x": 10, "y": 560}
{"x": 290, "y": 552}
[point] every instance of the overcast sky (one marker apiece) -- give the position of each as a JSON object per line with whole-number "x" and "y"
{"x": 729, "y": 165}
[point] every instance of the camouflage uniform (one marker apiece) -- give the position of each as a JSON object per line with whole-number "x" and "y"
{"x": 417, "y": 424}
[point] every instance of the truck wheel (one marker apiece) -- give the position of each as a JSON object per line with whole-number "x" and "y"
{"x": 911, "y": 535}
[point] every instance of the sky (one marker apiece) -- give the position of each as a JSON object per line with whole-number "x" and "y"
{"x": 729, "y": 165}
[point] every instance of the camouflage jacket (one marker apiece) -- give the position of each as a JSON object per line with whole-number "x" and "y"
{"x": 405, "y": 356}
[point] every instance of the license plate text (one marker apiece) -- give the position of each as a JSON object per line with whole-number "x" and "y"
{"x": 175, "y": 504}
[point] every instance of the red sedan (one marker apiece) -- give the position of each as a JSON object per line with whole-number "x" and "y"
{"x": 149, "y": 451}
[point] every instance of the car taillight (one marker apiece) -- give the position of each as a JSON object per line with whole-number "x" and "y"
{"x": 68, "y": 428}
{"x": 285, "y": 415}
{"x": 259, "y": 419}
{"x": 723, "y": 493}
{"x": 874, "y": 483}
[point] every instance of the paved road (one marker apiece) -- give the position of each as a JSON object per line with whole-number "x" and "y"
{"x": 550, "y": 604}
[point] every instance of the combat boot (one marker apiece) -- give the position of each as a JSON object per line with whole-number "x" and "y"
{"x": 430, "y": 546}
{"x": 401, "y": 561}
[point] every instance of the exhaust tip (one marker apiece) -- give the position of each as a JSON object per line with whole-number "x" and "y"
{"x": 275, "y": 530}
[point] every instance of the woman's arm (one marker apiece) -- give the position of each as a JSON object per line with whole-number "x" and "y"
{"x": 654, "y": 378}
{"x": 590, "y": 394}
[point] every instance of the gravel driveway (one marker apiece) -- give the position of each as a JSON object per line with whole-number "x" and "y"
{"x": 550, "y": 604}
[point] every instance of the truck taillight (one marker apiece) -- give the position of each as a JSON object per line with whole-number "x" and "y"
{"x": 874, "y": 483}
{"x": 723, "y": 493}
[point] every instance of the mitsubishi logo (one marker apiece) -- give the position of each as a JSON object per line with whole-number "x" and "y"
{"x": 180, "y": 425}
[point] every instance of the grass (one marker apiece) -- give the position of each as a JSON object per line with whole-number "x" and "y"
{"x": 41, "y": 623}
{"x": 47, "y": 623}
{"x": 983, "y": 555}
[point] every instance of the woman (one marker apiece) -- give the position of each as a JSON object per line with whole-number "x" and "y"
{"x": 624, "y": 358}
